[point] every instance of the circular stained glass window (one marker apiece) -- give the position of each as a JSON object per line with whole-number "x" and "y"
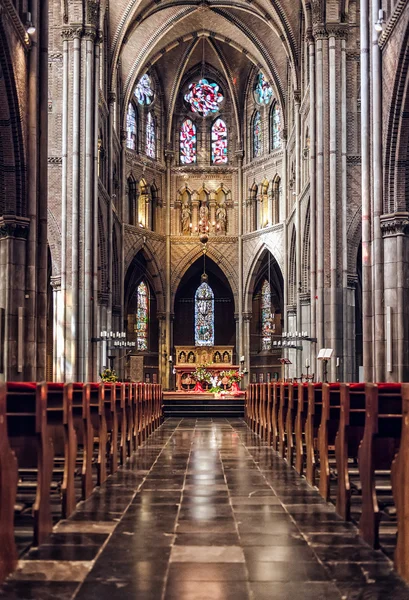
{"x": 263, "y": 92}
{"x": 144, "y": 91}
{"x": 204, "y": 97}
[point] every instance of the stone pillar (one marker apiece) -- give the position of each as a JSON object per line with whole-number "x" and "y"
{"x": 169, "y": 157}
{"x": 58, "y": 333}
{"x": 366, "y": 194}
{"x": 240, "y": 208}
{"x": 162, "y": 348}
{"x": 246, "y": 345}
{"x": 299, "y": 228}
{"x": 312, "y": 124}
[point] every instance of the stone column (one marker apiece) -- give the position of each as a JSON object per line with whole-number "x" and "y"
{"x": 162, "y": 348}
{"x": 240, "y": 208}
{"x": 366, "y": 194}
{"x": 299, "y": 236}
{"x": 311, "y": 47}
{"x": 246, "y": 345}
{"x": 377, "y": 191}
{"x": 169, "y": 157}
{"x": 97, "y": 362}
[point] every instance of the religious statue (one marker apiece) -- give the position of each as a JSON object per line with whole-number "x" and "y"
{"x": 204, "y": 214}
{"x": 190, "y": 357}
{"x": 185, "y": 218}
{"x": 182, "y": 357}
{"x": 217, "y": 357}
{"x": 226, "y": 357}
{"x": 221, "y": 218}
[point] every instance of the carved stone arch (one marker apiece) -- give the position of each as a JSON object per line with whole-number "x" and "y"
{"x": 217, "y": 257}
{"x": 12, "y": 151}
{"x": 156, "y": 275}
{"x": 354, "y": 238}
{"x": 54, "y": 242}
{"x": 306, "y": 253}
{"x": 253, "y": 273}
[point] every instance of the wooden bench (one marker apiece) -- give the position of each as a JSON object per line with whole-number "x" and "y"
{"x": 29, "y": 438}
{"x": 300, "y": 422}
{"x": 8, "y": 493}
{"x": 328, "y": 430}
{"x": 282, "y": 398}
{"x": 274, "y": 415}
{"x": 312, "y": 424}
{"x": 348, "y": 439}
{"x": 129, "y": 409}
{"x": 380, "y": 443}
{"x": 85, "y": 435}
{"x": 111, "y": 419}
{"x": 292, "y": 410}
{"x": 400, "y": 488}
{"x": 61, "y": 428}
{"x": 99, "y": 427}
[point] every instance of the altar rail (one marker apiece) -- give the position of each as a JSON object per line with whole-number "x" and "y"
{"x": 351, "y": 441}
{"x": 58, "y": 441}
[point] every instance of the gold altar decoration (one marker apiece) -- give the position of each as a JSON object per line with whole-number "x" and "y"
{"x": 215, "y": 358}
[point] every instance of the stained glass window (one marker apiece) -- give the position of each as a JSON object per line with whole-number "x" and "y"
{"x": 204, "y": 315}
{"x": 276, "y": 127}
{"x": 188, "y": 142}
{"x": 257, "y": 136}
{"x": 204, "y": 97}
{"x": 266, "y": 316}
{"x": 142, "y": 315}
{"x": 131, "y": 127}
{"x": 150, "y": 136}
{"x": 263, "y": 92}
{"x": 144, "y": 90}
{"x": 219, "y": 142}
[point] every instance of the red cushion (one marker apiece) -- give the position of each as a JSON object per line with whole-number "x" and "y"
{"x": 21, "y": 386}
{"x": 55, "y": 387}
{"x": 78, "y": 385}
{"x": 334, "y": 386}
{"x": 389, "y": 387}
{"x": 357, "y": 387}
{"x": 95, "y": 386}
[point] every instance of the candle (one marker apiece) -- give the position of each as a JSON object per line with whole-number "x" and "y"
{"x": 307, "y": 363}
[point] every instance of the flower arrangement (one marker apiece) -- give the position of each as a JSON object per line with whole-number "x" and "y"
{"x": 202, "y": 374}
{"x": 109, "y": 376}
{"x": 233, "y": 376}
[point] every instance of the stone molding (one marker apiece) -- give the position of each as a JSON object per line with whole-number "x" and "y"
{"x": 55, "y": 282}
{"x": 353, "y": 160}
{"x": 391, "y": 24}
{"x": 54, "y": 160}
{"x": 8, "y": 9}
{"x": 394, "y": 224}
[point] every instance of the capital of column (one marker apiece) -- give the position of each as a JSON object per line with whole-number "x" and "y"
{"x": 55, "y": 282}
{"x": 247, "y": 316}
{"x": 394, "y": 224}
{"x": 169, "y": 155}
{"x": 89, "y": 33}
{"x": 337, "y": 30}
{"x": 111, "y": 97}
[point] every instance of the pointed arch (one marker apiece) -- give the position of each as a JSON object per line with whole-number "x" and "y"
{"x": 204, "y": 315}
{"x": 292, "y": 270}
{"x": 257, "y": 135}
{"x": 150, "y": 136}
{"x": 219, "y": 142}
{"x": 306, "y": 254}
{"x": 275, "y": 126}
{"x": 131, "y": 127}
{"x": 187, "y": 142}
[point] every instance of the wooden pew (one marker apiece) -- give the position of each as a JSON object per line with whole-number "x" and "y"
{"x": 348, "y": 439}
{"x": 85, "y": 435}
{"x": 111, "y": 418}
{"x": 400, "y": 488}
{"x": 300, "y": 422}
{"x": 141, "y": 413}
{"x": 380, "y": 443}
{"x": 122, "y": 421}
{"x": 129, "y": 408}
{"x": 251, "y": 405}
{"x": 274, "y": 415}
{"x": 61, "y": 428}
{"x": 268, "y": 413}
{"x": 149, "y": 408}
{"x": 290, "y": 422}
{"x": 311, "y": 430}
{"x": 29, "y": 438}
{"x": 99, "y": 426}
{"x": 135, "y": 398}
{"x": 263, "y": 410}
{"x": 282, "y": 417}
{"x": 330, "y": 419}
{"x": 8, "y": 493}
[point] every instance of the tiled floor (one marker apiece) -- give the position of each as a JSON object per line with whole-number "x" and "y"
{"x": 205, "y": 511}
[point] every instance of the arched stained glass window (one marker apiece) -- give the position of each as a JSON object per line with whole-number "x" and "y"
{"x": 219, "y": 142}
{"x": 204, "y": 97}
{"x": 263, "y": 92}
{"x": 276, "y": 127}
{"x": 204, "y": 315}
{"x": 266, "y": 316}
{"x": 257, "y": 136}
{"x": 150, "y": 136}
{"x": 188, "y": 142}
{"x": 144, "y": 91}
{"x": 142, "y": 317}
{"x": 131, "y": 131}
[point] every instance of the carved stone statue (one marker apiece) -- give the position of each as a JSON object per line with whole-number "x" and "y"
{"x": 204, "y": 214}
{"x": 185, "y": 218}
{"x": 221, "y": 218}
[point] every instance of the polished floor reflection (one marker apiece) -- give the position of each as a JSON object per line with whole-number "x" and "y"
{"x": 205, "y": 511}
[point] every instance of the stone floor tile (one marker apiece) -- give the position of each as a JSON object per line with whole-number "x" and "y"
{"x": 205, "y": 554}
